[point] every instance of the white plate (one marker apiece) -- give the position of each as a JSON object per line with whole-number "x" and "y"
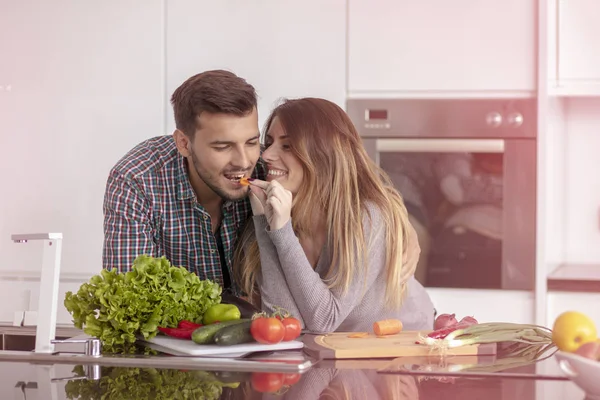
{"x": 583, "y": 371}
{"x": 186, "y": 347}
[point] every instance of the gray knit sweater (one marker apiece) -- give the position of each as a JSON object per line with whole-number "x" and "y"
{"x": 288, "y": 280}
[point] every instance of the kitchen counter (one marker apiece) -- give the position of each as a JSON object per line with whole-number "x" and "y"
{"x": 68, "y": 375}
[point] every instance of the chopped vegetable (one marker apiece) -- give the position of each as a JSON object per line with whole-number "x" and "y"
{"x": 358, "y": 335}
{"x": 387, "y": 327}
{"x": 118, "y": 307}
{"x": 181, "y": 333}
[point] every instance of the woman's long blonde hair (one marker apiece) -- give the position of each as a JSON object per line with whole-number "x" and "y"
{"x": 340, "y": 179}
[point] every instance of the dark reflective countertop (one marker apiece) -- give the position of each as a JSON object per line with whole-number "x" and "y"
{"x": 512, "y": 374}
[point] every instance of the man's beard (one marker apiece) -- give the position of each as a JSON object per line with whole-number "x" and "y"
{"x": 210, "y": 181}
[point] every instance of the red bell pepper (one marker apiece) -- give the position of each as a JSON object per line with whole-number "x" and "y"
{"x": 185, "y": 324}
{"x": 181, "y": 333}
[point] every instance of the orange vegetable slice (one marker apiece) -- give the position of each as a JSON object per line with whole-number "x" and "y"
{"x": 244, "y": 181}
{"x": 387, "y": 327}
{"x": 359, "y": 335}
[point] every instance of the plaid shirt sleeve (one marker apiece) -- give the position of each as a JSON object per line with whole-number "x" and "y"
{"x": 128, "y": 230}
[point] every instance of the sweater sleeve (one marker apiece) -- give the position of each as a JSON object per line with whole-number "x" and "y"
{"x": 325, "y": 309}
{"x": 274, "y": 290}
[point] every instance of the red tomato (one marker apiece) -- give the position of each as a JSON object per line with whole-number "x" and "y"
{"x": 267, "y": 330}
{"x": 291, "y": 379}
{"x": 292, "y": 328}
{"x": 266, "y": 382}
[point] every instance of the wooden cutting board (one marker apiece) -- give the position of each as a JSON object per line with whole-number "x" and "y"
{"x": 338, "y": 346}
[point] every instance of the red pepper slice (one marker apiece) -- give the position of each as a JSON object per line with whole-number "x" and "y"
{"x": 185, "y": 324}
{"x": 180, "y": 333}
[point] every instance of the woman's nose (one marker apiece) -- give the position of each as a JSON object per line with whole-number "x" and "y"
{"x": 269, "y": 154}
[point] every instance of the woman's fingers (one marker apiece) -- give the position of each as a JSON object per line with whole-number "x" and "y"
{"x": 258, "y": 183}
{"x": 274, "y": 202}
{"x": 259, "y": 193}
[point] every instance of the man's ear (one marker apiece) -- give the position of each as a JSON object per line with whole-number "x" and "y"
{"x": 183, "y": 142}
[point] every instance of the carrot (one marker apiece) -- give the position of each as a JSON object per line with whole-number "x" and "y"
{"x": 244, "y": 181}
{"x": 358, "y": 335}
{"x": 387, "y": 327}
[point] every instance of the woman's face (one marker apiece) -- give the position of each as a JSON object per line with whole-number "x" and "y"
{"x": 282, "y": 164}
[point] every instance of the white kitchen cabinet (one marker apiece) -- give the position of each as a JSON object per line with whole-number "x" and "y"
{"x": 578, "y": 55}
{"x": 284, "y": 48}
{"x": 463, "y": 45}
{"x": 587, "y": 303}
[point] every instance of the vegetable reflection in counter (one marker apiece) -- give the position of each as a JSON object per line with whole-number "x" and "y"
{"x": 347, "y": 384}
{"x": 145, "y": 383}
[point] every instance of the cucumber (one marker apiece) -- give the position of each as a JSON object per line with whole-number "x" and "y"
{"x": 206, "y": 334}
{"x": 234, "y": 334}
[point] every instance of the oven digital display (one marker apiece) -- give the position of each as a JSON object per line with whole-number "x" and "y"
{"x": 374, "y": 115}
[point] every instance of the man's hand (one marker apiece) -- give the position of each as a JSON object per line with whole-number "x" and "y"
{"x": 275, "y": 200}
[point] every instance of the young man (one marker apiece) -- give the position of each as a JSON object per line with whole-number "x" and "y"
{"x": 179, "y": 196}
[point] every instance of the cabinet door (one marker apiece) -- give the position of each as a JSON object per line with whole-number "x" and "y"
{"x": 463, "y": 45}
{"x": 578, "y": 33}
{"x": 284, "y": 48}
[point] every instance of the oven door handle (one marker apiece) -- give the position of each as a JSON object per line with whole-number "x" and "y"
{"x": 440, "y": 145}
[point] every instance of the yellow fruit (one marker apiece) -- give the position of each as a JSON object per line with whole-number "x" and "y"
{"x": 572, "y": 329}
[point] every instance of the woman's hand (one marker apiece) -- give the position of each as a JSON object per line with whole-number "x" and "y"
{"x": 258, "y": 197}
{"x": 276, "y": 202}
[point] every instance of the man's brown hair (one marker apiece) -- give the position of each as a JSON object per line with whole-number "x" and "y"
{"x": 217, "y": 92}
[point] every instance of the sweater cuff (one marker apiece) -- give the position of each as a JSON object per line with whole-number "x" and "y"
{"x": 284, "y": 235}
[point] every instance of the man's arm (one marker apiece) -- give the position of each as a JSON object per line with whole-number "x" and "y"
{"x": 128, "y": 230}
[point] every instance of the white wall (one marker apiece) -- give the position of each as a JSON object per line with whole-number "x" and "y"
{"x": 86, "y": 85}
{"x": 582, "y": 186}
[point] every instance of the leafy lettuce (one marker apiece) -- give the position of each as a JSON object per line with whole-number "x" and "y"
{"x": 117, "y": 307}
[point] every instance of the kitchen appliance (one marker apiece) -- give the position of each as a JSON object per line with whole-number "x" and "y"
{"x": 466, "y": 169}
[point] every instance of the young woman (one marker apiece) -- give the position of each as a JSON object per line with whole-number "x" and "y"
{"x": 331, "y": 241}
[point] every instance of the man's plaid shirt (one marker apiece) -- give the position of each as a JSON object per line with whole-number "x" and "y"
{"x": 151, "y": 208}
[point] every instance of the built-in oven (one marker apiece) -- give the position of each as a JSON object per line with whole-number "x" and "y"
{"x": 466, "y": 169}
